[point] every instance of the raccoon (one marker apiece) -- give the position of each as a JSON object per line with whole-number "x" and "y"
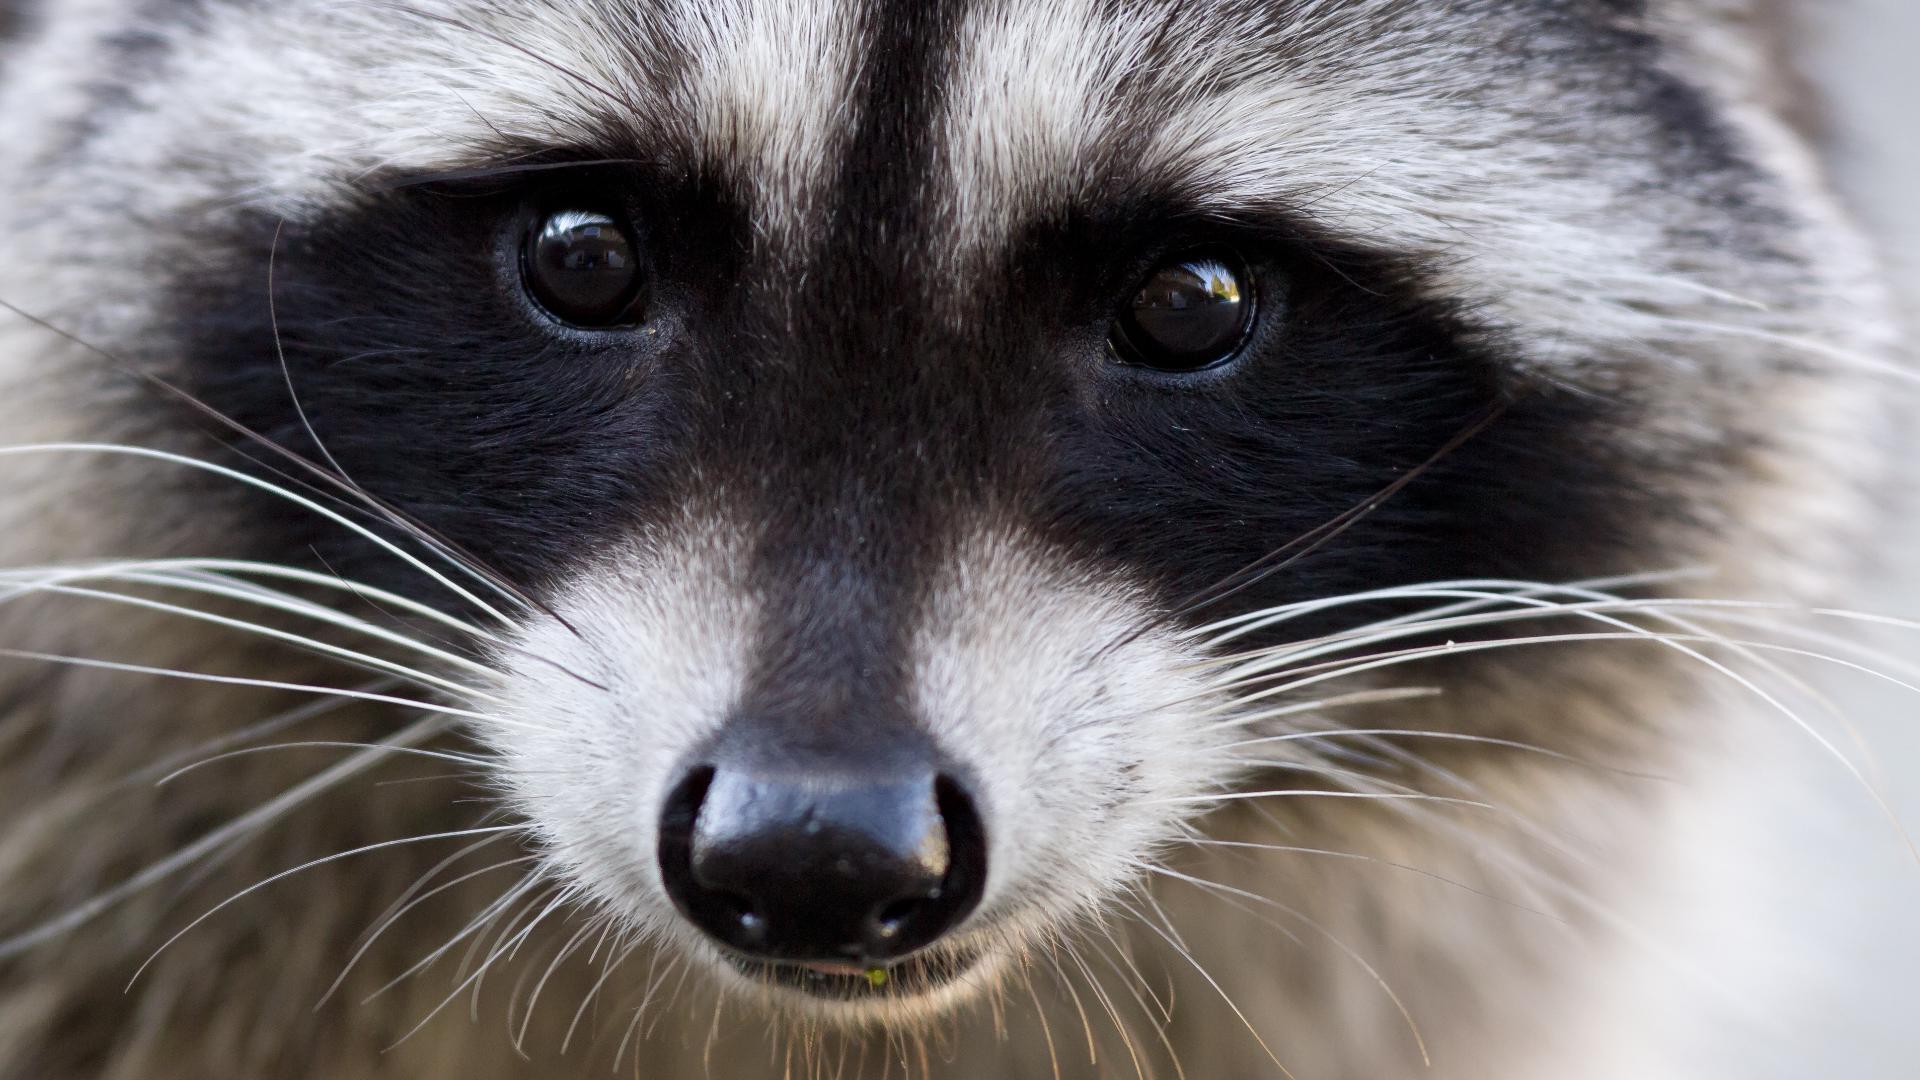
{"x": 832, "y": 538}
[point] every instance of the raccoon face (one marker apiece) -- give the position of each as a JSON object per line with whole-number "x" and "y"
{"x": 908, "y": 434}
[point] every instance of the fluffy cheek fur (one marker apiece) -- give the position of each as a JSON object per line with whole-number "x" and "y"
{"x": 1086, "y": 735}
{"x": 640, "y": 659}
{"x": 1086, "y": 725}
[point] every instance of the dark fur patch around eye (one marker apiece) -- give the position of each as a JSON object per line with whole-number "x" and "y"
{"x": 428, "y": 374}
{"x": 1366, "y": 378}
{"x": 860, "y": 435}
{"x": 862, "y": 408}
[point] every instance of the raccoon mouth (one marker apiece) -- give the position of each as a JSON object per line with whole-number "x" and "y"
{"x": 913, "y": 977}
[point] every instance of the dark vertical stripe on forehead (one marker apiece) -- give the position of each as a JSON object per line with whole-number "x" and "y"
{"x": 849, "y": 524}
{"x": 883, "y": 182}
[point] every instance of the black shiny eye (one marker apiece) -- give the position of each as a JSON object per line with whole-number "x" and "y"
{"x": 1192, "y": 312}
{"x": 583, "y": 267}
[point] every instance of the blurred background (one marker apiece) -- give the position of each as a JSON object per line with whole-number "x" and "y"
{"x": 1790, "y": 946}
{"x": 1866, "y": 55}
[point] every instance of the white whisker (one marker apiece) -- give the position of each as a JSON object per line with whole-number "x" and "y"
{"x": 410, "y": 751}
{"x": 284, "y": 874}
{"x": 250, "y": 822}
{"x": 1333, "y": 734}
{"x": 273, "y": 489}
{"x": 1314, "y": 793}
{"x": 1351, "y": 856}
{"x": 520, "y": 890}
{"x": 236, "y": 680}
{"x": 409, "y": 902}
{"x": 302, "y": 641}
{"x": 1472, "y": 593}
{"x": 225, "y": 570}
{"x": 1224, "y": 996}
{"x": 473, "y": 980}
{"x": 1419, "y": 1040}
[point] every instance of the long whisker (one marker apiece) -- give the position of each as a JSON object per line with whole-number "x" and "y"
{"x": 556, "y": 904}
{"x": 1807, "y": 347}
{"x": 1419, "y": 1040}
{"x": 439, "y": 545}
{"x": 316, "y": 744}
{"x": 1315, "y": 793}
{"x": 276, "y": 490}
{"x": 310, "y": 644}
{"x": 1680, "y": 642}
{"x": 250, "y": 822}
{"x": 239, "y": 589}
{"x": 1477, "y": 593}
{"x": 409, "y": 902}
{"x": 1100, "y": 995}
{"x": 1352, "y": 856}
{"x": 508, "y": 949}
{"x": 224, "y": 571}
{"x": 573, "y": 944}
{"x": 1315, "y": 539}
{"x": 520, "y": 890}
{"x": 606, "y": 972}
{"x": 284, "y": 874}
{"x": 1046, "y": 1028}
{"x": 1334, "y": 734}
{"x": 286, "y": 371}
{"x": 260, "y": 729}
{"x": 1206, "y": 975}
{"x": 237, "y": 680}
{"x": 1079, "y": 1007}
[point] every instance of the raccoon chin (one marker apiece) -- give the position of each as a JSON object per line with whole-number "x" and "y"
{"x": 913, "y": 990}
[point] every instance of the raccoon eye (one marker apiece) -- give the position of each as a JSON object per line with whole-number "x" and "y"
{"x": 1192, "y": 312}
{"x": 583, "y": 267}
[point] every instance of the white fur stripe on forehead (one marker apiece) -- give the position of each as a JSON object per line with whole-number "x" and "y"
{"x": 316, "y": 94}
{"x": 1030, "y": 97}
{"x": 774, "y": 86}
{"x": 1410, "y": 136}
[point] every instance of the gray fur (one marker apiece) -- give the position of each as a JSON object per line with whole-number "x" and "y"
{"x": 1562, "y": 212}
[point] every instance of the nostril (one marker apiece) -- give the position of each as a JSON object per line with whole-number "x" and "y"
{"x": 707, "y": 908}
{"x": 906, "y": 922}
{"x": 966, "y": 876}
{"x": 731, "y": 915}
{"x": 683, "y": 802}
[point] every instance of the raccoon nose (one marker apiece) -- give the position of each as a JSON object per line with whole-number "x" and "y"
{"x": 804, "y": 867}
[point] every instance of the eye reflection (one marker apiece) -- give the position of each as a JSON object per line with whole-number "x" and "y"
{"x": 582, "y": 266}
{"x": 1190, "y": 313}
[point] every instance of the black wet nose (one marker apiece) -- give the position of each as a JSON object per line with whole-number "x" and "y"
{"x": 809, "y": 867}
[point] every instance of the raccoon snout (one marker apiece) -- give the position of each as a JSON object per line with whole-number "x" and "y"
{"x": 804, "y": 865}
